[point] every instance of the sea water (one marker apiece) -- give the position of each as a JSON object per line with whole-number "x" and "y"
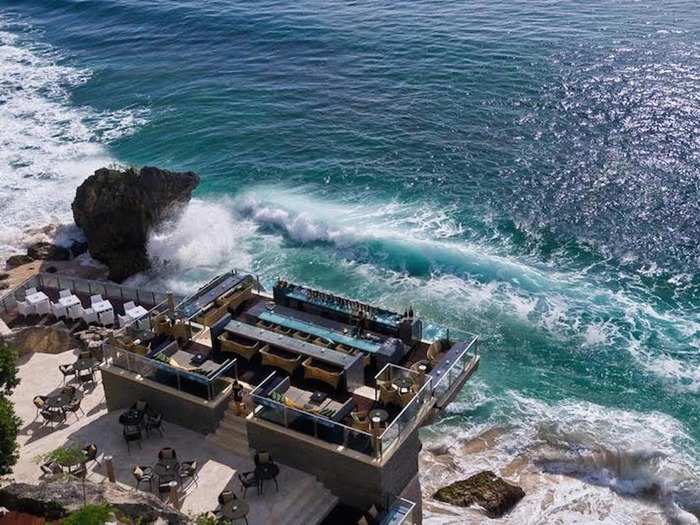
{"x": 526, "y": 170}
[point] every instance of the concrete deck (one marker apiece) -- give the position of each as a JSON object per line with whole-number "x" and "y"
{"x": 39, "y": 375}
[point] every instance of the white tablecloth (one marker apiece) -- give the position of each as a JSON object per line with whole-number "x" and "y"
{"x": 37, "y": 298}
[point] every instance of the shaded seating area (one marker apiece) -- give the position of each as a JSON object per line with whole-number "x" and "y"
{"x": 245, "y": 350}
{"x": 139, "y": 418}
{"x": 167, "y": 473}
{"x": 281, "y": 359}
{"x": 55, "y": 407}
{"x": 323, "y": 372}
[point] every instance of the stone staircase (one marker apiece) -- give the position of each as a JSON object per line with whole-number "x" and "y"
{"x": 306, "y": 500}
{"x": 231, "y": 434}
{"x": 309, "y": 504}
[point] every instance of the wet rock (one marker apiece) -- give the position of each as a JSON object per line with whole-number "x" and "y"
{"x": 18, "y": 260}
{"x": 485, "y": 489}
{"x": 57, "y": 498}
{"x": 78, "y": 248}
{"x": 118, "y": 209}
{"x": 45, "y": 251}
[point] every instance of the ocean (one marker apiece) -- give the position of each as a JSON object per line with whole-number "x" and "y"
{"x": 527, "y": 170}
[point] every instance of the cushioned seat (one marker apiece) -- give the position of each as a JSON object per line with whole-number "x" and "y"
{"x": 245, "y": 351}
{"x": 279, "y": 359}
{"x": 322, "y": 372}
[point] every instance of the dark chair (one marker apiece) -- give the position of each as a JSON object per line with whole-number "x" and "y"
{"x": 188, "y": 469}
{"x": 167, "y": 453}
{"x": 40, "y": 404}
{"x": 74, "y": 405}
{"x": 69, "y": 391}
{"x": 154, "y": 421}
{"x": 132, "y": 434}
{"x": 262, "y": 457}
{"x": 90, "y": 452}
{"x": 79, "y": 471}
{"x": 51, "y": 468}
{"x": 140, "y": 406}
{"x": 67, "y": 371}
{"x": 248, "y": 480}
{"x": 143, "y": 474}
{"x": 226, "y": 497}
{"x": 53, "y": 416}
{"x": 85, "y": 354}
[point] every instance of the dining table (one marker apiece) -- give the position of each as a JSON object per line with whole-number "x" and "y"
{"x": 236, "y": 510}
{"x": 166, "y": 470}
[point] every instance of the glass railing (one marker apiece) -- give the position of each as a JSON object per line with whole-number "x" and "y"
{"x": 199, "y": 385}
{"x": 401, "y": 512}
{"x": 451, "y": 368}
{"x": 404, "y": 423}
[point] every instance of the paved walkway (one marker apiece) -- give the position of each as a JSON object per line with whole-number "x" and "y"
{"x": 39, "y": 375}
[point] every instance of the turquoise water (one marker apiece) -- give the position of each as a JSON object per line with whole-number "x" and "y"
{"x": 525, "y": 170}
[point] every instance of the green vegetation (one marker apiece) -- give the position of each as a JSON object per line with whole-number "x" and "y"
{"x": 9, "y": 422}
{"x": 90, "y": 515}
{"x": 208, "y": 518}
{"x": 65, "y": 456}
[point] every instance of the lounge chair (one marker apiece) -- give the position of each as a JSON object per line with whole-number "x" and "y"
{"x": 143, "y": 474}
{"x": 322, "y": 372}
{"x": 280, "y": 359}
{"x": 388, "y": 393}
{"x": 245, "y": 351}
{"x": 360, "y": 420}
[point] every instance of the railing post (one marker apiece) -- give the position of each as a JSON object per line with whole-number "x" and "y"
{"x": 285, "y": 417}
{"x": 90, "y": 287}
{"x": 153, "y": 298}
{"x": 121, "y": 293}
{"x": 179, "y": 384}
{"x": 138, "y": 300}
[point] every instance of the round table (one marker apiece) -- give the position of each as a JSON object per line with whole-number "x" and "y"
{"x": 403, "y": 384}
{"x": 131, "y": 418}
{"x": 58, "y": 401}
{"x": 236, "y": 510}
{"x": 422, "y": 367}
{"x": 166, "y": 470}
{"x": 377, "y": 416}
{"x": 267, "y": 471}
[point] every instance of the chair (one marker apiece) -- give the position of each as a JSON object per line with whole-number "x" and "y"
{"x": 42, "y": 308}
{"x": 154, "y": 421}
{"x": 167, "y": 453}
{"x": 140, "y": 405}
{"x": 74, "y": 406}
{"x": 30, "y": 291}
{"x": 143, "y": 474}
{"x": 188, "y": 469}
{"x": 322, "y": 372}
{"x": 388, "y": 393}
{"x": 360, "y": 420}
{"x": 129, "y": 306}
{"x": 65, "y": 293}
{"x": 280, "y": 359}
{"x": 58, "y": 310}
{"x": 89, "y": 315}
{"x": 124, "y": 320}
{"x": 245, "y": 351}
{"x": 96, "y": 299}
{"x": 107, "y": 318}
{"x": 434, "y": 351}
{"x": 69, "y": 391}
{"x": 84, "y": 354}
{"x": 51, "y": 468}
{"x": 248, "y": 480}
{"x": 132, "y": 434}
{"x": 66, "y": 370}
{"x": 24, "y": 309}
{"x": 53, "y": 416}
{"x": 90, "y": 452}
{"x": 39, "y": 403}
{"x": 227, "y": 496}
{"x": 262, "y": 458}
{"x": 76, "y": 312}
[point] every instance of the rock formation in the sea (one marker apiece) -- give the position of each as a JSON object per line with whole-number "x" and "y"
{"x": 18, "y": 260}
{"x": 45, "y": 251}
{"x": 54, "y": 500}
{"x": 118, "y": 209}
{"x": 495, "y": 495}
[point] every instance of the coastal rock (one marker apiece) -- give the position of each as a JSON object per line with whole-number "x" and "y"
{"x": 45, "y": 251}
{"x": 44, "y": 339}
{"x": 485, "y": 489}
{"x": 118, "y": 209}
{"x": 78, "y": 248}
{"x": 55, "y": 499}
{"x": 18, "y": 260}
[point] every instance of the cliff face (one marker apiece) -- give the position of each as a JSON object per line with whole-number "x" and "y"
{"x": 118, "y": 209}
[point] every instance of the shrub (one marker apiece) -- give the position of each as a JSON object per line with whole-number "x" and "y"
{"x": 90, "y": 515}
{"x": 9, "y": 422}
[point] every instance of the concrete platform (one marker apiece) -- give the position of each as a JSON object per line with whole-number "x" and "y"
{"x": 217, "y": 466}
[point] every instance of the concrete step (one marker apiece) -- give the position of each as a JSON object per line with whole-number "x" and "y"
{"x": 234, "y": 426}
{"x": 300, "y": 492}
{"x": 312, "y": 507}
{"x": 231, "y": 442}
{"x": 317, "y": 514}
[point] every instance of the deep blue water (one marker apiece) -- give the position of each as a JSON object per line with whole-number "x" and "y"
{"x": 525, "y": 170}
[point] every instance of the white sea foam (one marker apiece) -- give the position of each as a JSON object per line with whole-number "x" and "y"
{"x": 48, "y": 145}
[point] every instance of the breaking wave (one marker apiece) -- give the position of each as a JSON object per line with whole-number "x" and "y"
{"x": 48, "y": 145}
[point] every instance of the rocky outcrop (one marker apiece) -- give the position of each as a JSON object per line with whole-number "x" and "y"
{"x": 118, "y": 209}
{"x": 18, "y": 260}
{"x": 485, "y": 489}
{"x": 44, "y": 339}
{"x": 55, "y": 499}
{"x": 45, "y": 251}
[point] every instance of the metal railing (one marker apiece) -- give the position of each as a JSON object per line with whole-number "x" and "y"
{"x": 81, "y": 286}
{"x": 206, "y": 387}
{"x": 400, "y": 512}
{"x": 450, "y": 371}
{"x": 313, "y": 425}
